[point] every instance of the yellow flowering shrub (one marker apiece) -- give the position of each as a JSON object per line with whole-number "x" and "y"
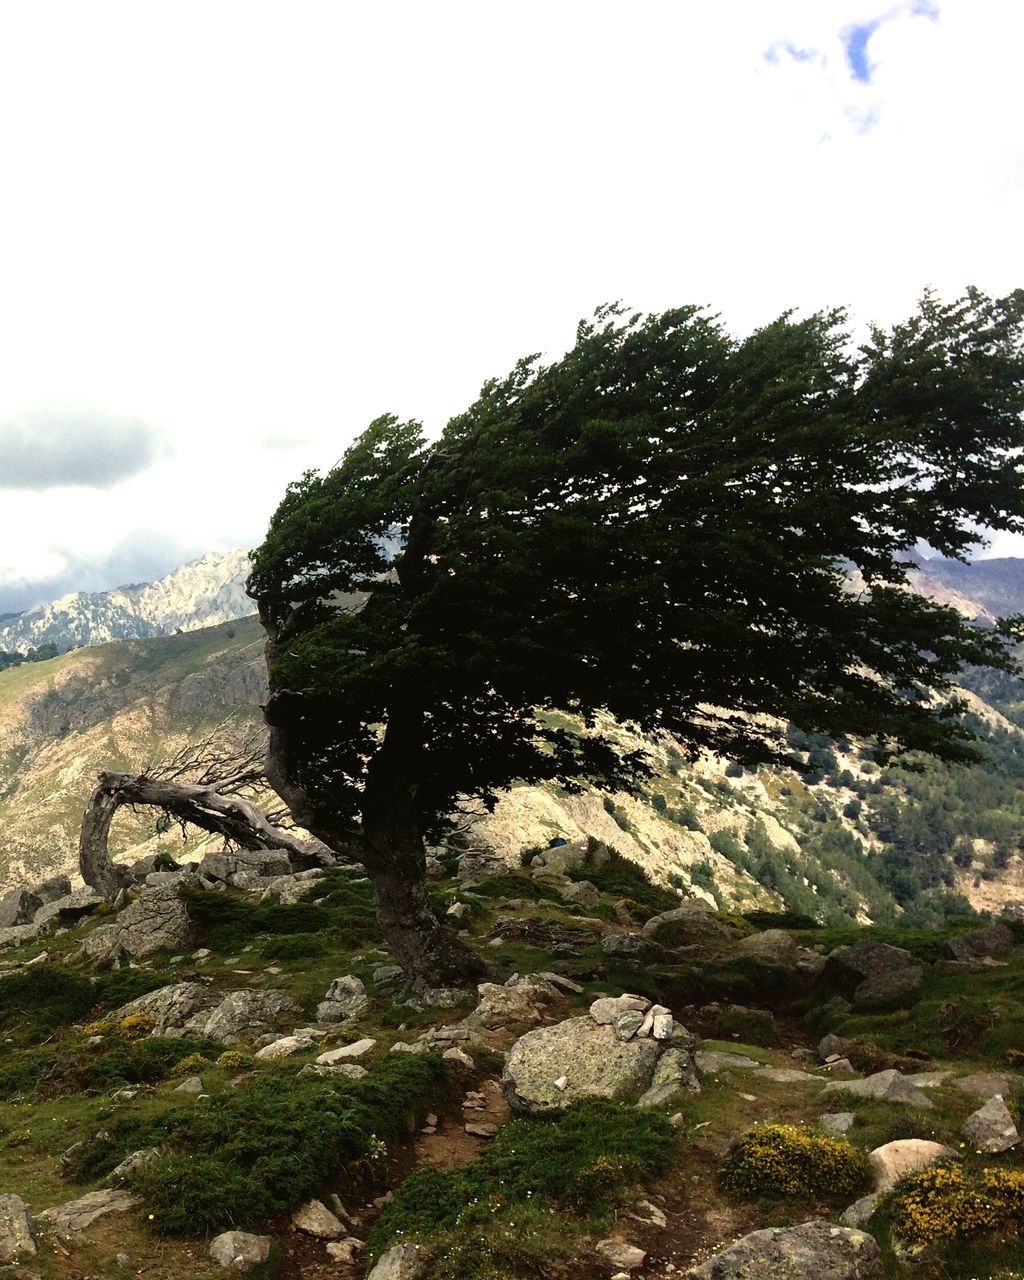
{"x": 946, "y": 1202}
{"x": 786, "y": 1160}
{"x": 233, "y": 1060}
{"x": 190, "y": 1065}
{"x": 102, "y": 1028}
{"x": 135, "y": 1026}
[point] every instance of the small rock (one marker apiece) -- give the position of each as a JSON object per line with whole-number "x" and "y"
{"x": 986, "y": 1084}
{"x": 710, "y": 1060}
{"x": 345, "y": 1070}
{"x": 345, "y": 1250}
{"x": 481, "y": 1129}
{"x": 315, "y": 1219}
{"x": 836, "y": 1122}
{"x": 628, "y": 1024}
{"x": 283, "y": 1047}
{"x": 884, "y": 1086}
{"x": 346, "y": 998}
{"x": 459, "y": 1057}
{"x": 71, "y": 1218}
{"x": 621, "y": 1254}
{"x": 193, "y": 1084}
{"x": 240, "y": 1250}
{"x": 355, "y": 1050}
{"x": 608, "y": 1008}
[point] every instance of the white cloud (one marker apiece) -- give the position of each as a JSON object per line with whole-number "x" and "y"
{"x": 256, "y": 222}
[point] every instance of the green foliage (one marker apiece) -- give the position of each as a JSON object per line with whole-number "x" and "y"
{"x": 784, "y": 1160}
{"x": 578, "y": 1165}
{"x": 249, "y": 1153}
{"x": 343, "y": 916}
{"x": 490, "y": 562}
{"x": 620, "y": 877}
{"x": 67, "y": 1070}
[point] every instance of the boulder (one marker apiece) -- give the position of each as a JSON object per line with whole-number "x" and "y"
{"x": 836, "y": 1123}
{"x": 240, "y": 1250}
{"x": 829, "y": 1046}
{"x": 354, "y": 1050}
{"x": 284, "y": 1047}
{"x": 674, "y": 1077}
{"x": 630, "y": 946}
{"x": 131, "y": 1164}
{"x": 478, "y": 865}
{"x": 883, "y": 1086}
{"x": 243, "y": 864}
{"x": 52, "y": 889}
{"x": 873, "y": 974}
{"x": 75, "y": 1216}
{"x": 993, "y": 940}
{"x": 19, "y": 933}
{"x": 192, "y": 1085}
{"x": 172, "y": 1008}
{"x": 689, "y": 922}
{"x": 346, "y": 998}
{"x": 621, "y": 1254}
{"x": 581, "y": 893}
{"x": 520, "y": 1002}
{"x": 17, "y": 1230}
{"x": 315, "y": 1219}
{"x": 241, "y": 1011}
{"x": 991, "y": 1127}
{"x": 773, "y": 946}
{"x": 819, "y": 1249}
{"x": 19, "y": 907}
{"x": 156, "y": 921}
{"x": 71, "y": 908}
{"x": 590, "y": 1058}
{"x": 607, "y": 1009}
{"x": 401, "y": 1262}
{"x": 986, "y": 1084}
{"x": 342, "y": 1070}
{"x": 899, "y": 1159}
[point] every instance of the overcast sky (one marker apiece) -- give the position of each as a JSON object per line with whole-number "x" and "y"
{"x": 232, "y": 233}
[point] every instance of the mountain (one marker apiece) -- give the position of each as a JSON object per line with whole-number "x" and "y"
{"x": 985, "y": 589}
{"x": 204, "y": 592}
{"x": 848, "y": 841}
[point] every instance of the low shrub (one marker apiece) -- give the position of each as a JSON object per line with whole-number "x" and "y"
{"x": 784, "y": 1160}
{"x": 476, "y": 1216}
{"x": 191, "y": 1064}
{"x": 617, "y": 876}
{"x": 232, "y": 1060}
{"x": 947, "y": 1202}
{"x": 248, "y": 1154}
{"x": 62, "y": 1070}
{"x": 298, "y": 946}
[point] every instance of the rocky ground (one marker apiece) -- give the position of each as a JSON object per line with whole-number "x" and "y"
{"x": 224, "y": 1072}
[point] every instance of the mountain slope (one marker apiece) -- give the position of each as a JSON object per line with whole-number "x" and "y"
{"x": 848, "y": 841}
{"x": 202, "y": 593}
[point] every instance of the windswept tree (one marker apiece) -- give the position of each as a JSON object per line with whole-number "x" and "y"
{"x": 700, "y": 535}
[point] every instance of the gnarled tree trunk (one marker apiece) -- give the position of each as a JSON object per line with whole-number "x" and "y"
{"x": 205, "y": 806}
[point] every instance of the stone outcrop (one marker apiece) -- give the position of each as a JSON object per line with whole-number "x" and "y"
{"x": 192, "y": 1008}
{"x": 691, "y": 921}
{"x": 346, "y": 998}
{"x": 17, "y": 1230}
{"x": 401, "y": 1262}
{"x": 883, "y": 1086}
{"x": 74, "y": 1217}
{"x": 624, "y": 1048}
{"x": 873, "y": 974}
{"x": 156, "y": 921}
{"x": 993, "y": 940}
{"x": 821, "y": 1250}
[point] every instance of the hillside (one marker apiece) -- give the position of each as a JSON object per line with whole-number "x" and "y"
{"x": 202, "y": 593}
{"x": 848, "y": 841}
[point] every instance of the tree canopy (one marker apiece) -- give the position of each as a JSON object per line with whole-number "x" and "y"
{"x": 693, "y": 533}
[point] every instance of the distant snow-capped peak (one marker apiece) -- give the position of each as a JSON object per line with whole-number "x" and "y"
{"x": 202, "y": 593}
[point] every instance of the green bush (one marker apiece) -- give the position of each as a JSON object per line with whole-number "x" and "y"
{"x": 297, "y": 946}
{"x": 785, "y": 1160}
{"x": 61, "y": 1071}
{"x": 578, "y": 1164}
{"x": 250, "y": 1153}
{"x": 617, "y": 876}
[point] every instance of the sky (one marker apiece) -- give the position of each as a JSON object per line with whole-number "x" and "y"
{"x": 231, "y": 234}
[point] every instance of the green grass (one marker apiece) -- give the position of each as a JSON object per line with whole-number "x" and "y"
{"x": 533, "y": 1191}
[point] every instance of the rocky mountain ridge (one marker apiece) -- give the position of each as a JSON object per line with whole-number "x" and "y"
{"x": 202, "y": 593}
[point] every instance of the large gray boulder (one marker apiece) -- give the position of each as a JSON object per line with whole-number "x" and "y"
{"x": 883, "y": 1086}
{"x": 239, "y": 1012}
{"x": 549, "y": 1069}
{"x": 401, "y": 1262}
{"x": 242, "y": 866}
{"x": 156, "y": 921}
{"x": 773, "y": 946}
{"x": 691, "y": 921}
{"x": 346, "y": 998}
{"x": 873, "y": 974}
{"x": 19, "y": 907}
{"x": 173, "y": 1007}
{"x": 17, "y": 1230}
{"x": 71, "y": 908}
{"x": 818, "y": 1250}
{"x": 993, "y": 940}
{"x": 240, "y": 1250}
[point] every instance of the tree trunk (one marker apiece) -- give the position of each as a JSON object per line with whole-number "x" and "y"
{"x": 231, "y": 816}
{"x": 430, "y": 954}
